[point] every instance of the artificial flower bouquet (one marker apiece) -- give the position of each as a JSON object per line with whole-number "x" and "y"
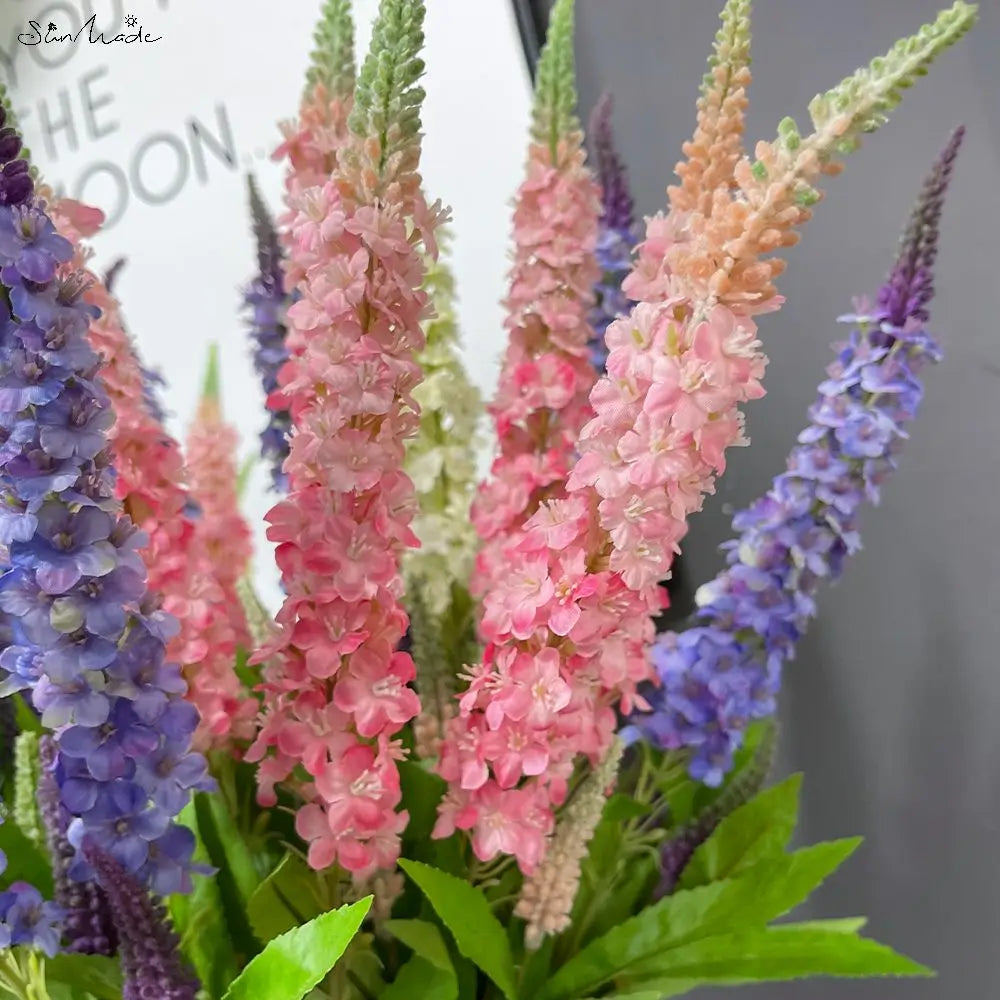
{"x": 459, "y": 762}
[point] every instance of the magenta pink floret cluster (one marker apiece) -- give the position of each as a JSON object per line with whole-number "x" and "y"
{"x": 336, "y": 689}
{"x": 569, "y": 620}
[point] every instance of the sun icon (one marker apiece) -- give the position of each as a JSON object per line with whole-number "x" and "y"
{"x": 131, "y": 21}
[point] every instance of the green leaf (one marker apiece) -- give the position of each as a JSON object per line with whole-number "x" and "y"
{"x": 619, "y": 808}
{"x": 420, "y": 979}
{"x": 464, "y": 910}
{"x": 25, "y": 860}
{"x": 774, "y": 955}
{"x": 285, "y": 899}
{"x": 292, "y": 964}
{"x": 27, "y": 721}
{"x": 200, "y": 920}
{"x": 841, "y": 925}
{"x": 422, "y": 790}
{"x": 237, "y": 877}
{"x": 422, "y": 938}
{"x": 758, "y": 830}
{"x": 747, "y": 903}
{"x": 97, "y": 975}
{"x": 800, "y": 874}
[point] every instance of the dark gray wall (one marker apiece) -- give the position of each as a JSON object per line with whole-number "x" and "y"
{"x": 891, "y": 708}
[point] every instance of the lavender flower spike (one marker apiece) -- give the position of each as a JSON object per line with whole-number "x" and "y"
{"x": 152, "y": 965}
{"x": 616, "y": 236}
{"x": 266, "y": 302}
{"x": 86, "y": 641}
{"x": 726, "y": 670}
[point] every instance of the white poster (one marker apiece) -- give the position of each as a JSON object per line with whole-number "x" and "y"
{"x": 155, "y": 110}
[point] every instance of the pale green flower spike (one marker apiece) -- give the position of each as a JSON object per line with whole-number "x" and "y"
{"x": 441, "y": 458}
{"x": 333, "y": 58}
{"x": 554, "y": 114}
{"x": 259, "y": 620}
{"x": 210, "y": 382}
{"x": 732, "y": 42}
{"x": 26, "y": 773}
{"x": 435, "y": 677}
{"x": 862, "y": 102}
{"x": 387, "y": 98}
{"x": 441, "y": 461}
{"x": 243, "y": 475}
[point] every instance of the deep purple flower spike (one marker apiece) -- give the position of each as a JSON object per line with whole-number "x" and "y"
{"x": 679, "y": 849}
{"x": 87, "y": 927}
{"x": 266, "y": 302}
{"x": 616, "y": 235}
{"x": 152, "y": 964}
{"x": 909, "y": 286}
{"x": 724, "y": 672}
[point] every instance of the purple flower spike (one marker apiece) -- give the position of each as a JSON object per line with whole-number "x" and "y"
{"x": 725, "y": 672}
{"x": 266, "y": 304}
{"x": 150, "y": 954}
{"x": 82, "y": 635}
{"x": 616, "y": 234}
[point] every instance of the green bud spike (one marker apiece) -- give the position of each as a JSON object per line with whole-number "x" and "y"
{"x": 27, "y": 769}
{"x": 259, "y": 620}
{"x": 333, "y": 58}
{"x": 387, "y": 99}
{"x": 554, "y": 113}
{"x": 862, "y": 102}
{"x": 243, "y": 475}
{"x": 732, "y": 41}
{"x": 210, "y": 383}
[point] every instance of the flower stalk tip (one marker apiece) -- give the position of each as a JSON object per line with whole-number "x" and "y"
{"x": 554, "y": 112}
{"x": 332, "y": 63}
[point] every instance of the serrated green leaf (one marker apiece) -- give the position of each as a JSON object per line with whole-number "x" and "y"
{"x": 292, "y": 964}
{"x": 774, "y": 955}
{"x": 285, "y": 899}
{"x": 840, "y": 925}
{"x": 758, "y": 830}
{"x": 746, "y": 903}
{"x": 26, "y": 862}
{"x": 422, "y": 938}
{"x": 465, "y": 911}
{"x": 422, "y": 980}
{"x": 95, "y": 974}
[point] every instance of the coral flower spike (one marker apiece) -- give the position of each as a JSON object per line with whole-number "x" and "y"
{"x": 222, "y": 539}
{"x": 336, "y": 689}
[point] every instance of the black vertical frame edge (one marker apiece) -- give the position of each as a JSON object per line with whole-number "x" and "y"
{"x": 532, "y": 20}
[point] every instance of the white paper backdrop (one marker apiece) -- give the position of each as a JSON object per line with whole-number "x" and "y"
{"x": 161, "y": 134}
